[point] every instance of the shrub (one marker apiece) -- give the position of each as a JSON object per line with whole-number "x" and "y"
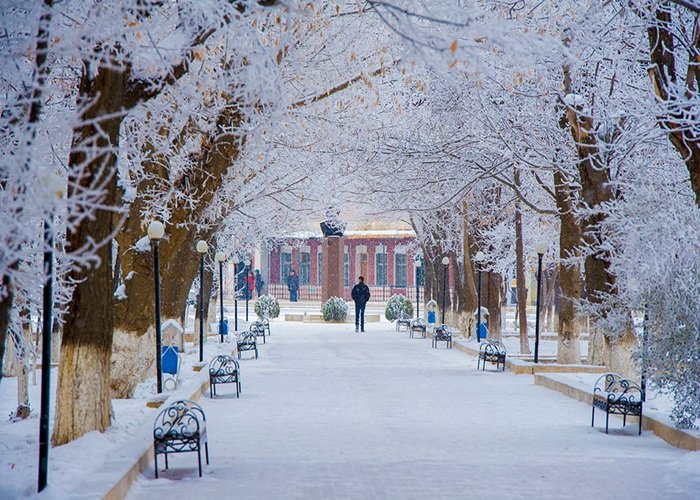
{"x": 398, "y": 306}
{"x": 267, "y": 306}
{"x": 335, "y": 309}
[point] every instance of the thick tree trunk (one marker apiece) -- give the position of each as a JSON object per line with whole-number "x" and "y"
{"x": 569, "y": 331}
{"x": 6, "y": 298}
{"x": 83, "y": 395}
{"x": 466, "y": 290}
{"x": 491, "y": 285}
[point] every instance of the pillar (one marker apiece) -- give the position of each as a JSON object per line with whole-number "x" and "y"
{"x": 332, "y": 272}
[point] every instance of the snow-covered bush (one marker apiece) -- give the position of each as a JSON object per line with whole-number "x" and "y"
{"x": 398, "y": 306}
{"x": 267, "y": 306}
{"x": 335, "y": 309}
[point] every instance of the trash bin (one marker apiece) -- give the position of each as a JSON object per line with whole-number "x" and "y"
{"x": 431, "y": 316}
{"x": 483, "y": 331}
{"x": 223, "y": 327}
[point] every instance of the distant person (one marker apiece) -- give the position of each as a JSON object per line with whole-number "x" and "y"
{"x": 293, "y": 285}
{"x": 259, "y": 283}
{"x": 360, "y": 294}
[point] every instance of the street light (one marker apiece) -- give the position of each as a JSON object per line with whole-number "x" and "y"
{"x": 220, "y": 258}
{"x": 445, "y": 263}
{"x": 155, "y": 233}
{"x": 202, "y": 249}
{"x": 417, "y": 263}
{"x": 540, "y": 248}
{"x": 245, "y": 283}
{"x": 54, "y": 185}
{"x": 478, "y": 258}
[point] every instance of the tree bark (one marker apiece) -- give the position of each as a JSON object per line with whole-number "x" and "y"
{"x": 491, "y": 285}
{"x": 569, "y": 331}
{"x": 521, "y": 282}
{"x": 83, "y": 395}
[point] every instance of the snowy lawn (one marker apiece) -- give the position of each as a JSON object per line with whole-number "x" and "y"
{"x": 71, "y": 465}
{"x": 327, "y": 413}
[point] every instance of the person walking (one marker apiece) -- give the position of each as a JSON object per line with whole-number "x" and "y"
{"x": 360, "y": 294}
{"x": 293, "y": 285}
{"x": 259, "y": 283}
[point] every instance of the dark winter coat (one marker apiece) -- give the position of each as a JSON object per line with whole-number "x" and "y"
{"x": 293, "y": 282}
{"x": 360, "y": 293}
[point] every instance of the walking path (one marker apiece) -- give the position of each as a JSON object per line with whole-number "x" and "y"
{"x": 327, "y": 413}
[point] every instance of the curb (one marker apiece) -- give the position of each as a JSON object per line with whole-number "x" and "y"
{"x": 657, "y": 423}
{"x": 520, "y": 367}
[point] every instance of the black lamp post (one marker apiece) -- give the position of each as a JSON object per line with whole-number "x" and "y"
{"x": 55, "y": 185}
{"x": 445, "y": 263}
{"x": 478, "y": 258}
{"x": 540, "y": 248}
{"x": 202, "y": 249}
{"x": 235, "y": 294}
{"x": 417, "y": 264}
{"x": 245, "y": 284}
{"x": 220, "y": 258}
{"x": 155, "y": 233}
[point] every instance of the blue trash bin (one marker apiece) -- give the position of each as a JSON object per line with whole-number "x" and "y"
{"x": 483, "y": 331}
{"x": 431, "y": 316}
{"x": 223, "y": 327}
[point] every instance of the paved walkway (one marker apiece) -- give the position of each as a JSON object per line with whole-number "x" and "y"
{"x": 326, "y": 413}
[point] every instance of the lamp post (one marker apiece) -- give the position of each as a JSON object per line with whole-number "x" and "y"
{"x": 202, "y": 249}
{"x": 53, "y": 184}
{"x": 540, "y": 248}
{"x": 235, "y": 294}
{"x": 155, "y": 233}
{"x": 245, "y": 283}
{"x": 478, "y": 258}
{"x": 445, "y": 263}
{"x": 417, "y": 264}
{"x": 220, "y": 258}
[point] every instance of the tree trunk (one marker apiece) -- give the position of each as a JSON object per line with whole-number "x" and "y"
{"x": 521, "y": 282}
{"x": 491, "y": 284}
{"x": 6, "y": 299}
{"x": 83, "y": 395}
{"x": 466, "y": 290}
{"x": 569, "y": 331}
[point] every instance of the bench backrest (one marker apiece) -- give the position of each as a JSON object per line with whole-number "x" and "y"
{"x": 615, "y": 386}
{"x": 418, "y": 323}
{"x": 258, "y": 327}
{"x": 223, "y": 364}
{"x": 492, "y": 348}
{"x": 246, "y": 338}
{"x": 181, "y": 419}
{"x": 443, "y": 330}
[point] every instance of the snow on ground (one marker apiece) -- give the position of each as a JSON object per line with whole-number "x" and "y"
{"x": 327, "y": 413}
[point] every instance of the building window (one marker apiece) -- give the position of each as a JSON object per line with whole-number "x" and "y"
{"x": 380, "y": 268}
{"x": 285, "y": 266}
{"x": 346, "y": 268}
{"x": 304, "y": 268}
{"x": 400, "y": 270}
{"x": 319, "y": 269}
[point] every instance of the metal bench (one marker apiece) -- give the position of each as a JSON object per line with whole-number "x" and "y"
{"x": 247, "y": 341}
{"x": 258, "y": 328}
{"x": 403, "y": 322}
{"x": 418, "y": 327}
{"x": 492, "y": 351}
{"x": 442, "y": 334}
{"x": 617, "y": 395}
{"x": 224, "y": 369}
{"x": 180, "y": 428}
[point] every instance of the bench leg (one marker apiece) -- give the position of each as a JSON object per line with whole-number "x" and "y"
{"x": 166, "y": 460}
{"x": 256, "y": 352}
{"x": 639, "y": 433}
{"x": 156, "y": 459}
{"x": 199, "y": 458}
{"x": 593, "y": 416}
{"x": 607, "y": 417}
{"x": 624, "y": 419}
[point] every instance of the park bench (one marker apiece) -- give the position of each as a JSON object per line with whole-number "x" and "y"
{"x": 258, "y": 328}
{"x": 247, "y": 341}
{"x": 179, "y": 428}
{"x": 403, "y": 322}
{"x": 492, "y": 351}
{"x": 442, "y": 334}
{"x": 418, "y": 327}
{"x": 224, "y": 369}
{"x": 617, "y": 395}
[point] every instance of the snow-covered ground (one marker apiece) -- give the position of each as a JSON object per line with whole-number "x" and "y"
{"x": 327, "y": 413}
